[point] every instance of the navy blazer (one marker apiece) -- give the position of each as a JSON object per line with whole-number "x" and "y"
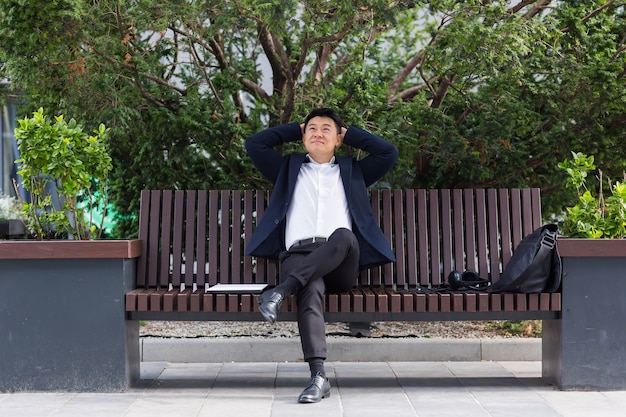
{"x": 268, "y": 239}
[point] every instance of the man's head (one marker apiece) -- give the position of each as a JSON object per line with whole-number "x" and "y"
{"x": 322, "y": 134}
{"x": 325, "y": 112}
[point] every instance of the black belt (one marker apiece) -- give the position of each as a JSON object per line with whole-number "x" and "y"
{"x": 308, "y": 241}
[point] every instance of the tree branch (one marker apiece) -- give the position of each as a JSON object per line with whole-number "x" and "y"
{"x": 593, "y": 13}
{"x": 321, "y": 61}
{"x": 280, "y": 72}
{"x": 404, "y": 73}
{"x": 207, "y": 77}
{"x": 598, "y": 10}
{"x": 620, "y": 49}
{"x": 537, "y": 9}
{"x": 255, "y": 89}
{"x": 309, "y": 42}
{"x": 442, "y": 91}
{"x": 416, "y": 61}
{"x": 407, "y": 94}
{"x": 519, "y": 6}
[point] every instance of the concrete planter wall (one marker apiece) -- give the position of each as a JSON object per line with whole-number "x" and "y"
{"x": 62, "y": 316}
{"x": 586, "y": 349}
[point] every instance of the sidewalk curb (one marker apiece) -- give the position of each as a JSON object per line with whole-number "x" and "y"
{"x": 248, "y": 349}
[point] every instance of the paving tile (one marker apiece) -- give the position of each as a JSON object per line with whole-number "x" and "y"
{"x": 97, "y": 405}
{"x": 371, "y": 390}
{"x": 34, "y": 404}
{"x": 234, "y": 406}
{"x": 584, "y": 404}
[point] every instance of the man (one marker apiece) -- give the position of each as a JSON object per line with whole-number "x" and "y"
{"x": 318, "y": 223}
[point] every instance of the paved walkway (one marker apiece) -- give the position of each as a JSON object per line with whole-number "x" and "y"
{"x": 398, "y": 389}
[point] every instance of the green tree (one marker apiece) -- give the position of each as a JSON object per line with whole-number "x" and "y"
{"x": 474, "y": 93}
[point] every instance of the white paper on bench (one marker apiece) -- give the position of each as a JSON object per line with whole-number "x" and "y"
{"x": 237, "y": 288}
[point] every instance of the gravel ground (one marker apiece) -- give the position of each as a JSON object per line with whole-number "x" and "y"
{"x": 183, "y": 329}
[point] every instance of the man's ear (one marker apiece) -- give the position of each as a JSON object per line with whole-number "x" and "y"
{"x": 340, "y": 136}
{"x": 339, "y": 141}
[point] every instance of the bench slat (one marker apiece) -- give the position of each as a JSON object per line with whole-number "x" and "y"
{"x": 201, "y": 249}
{"x": 144, "y": 210}
{"x": 400, "y": 240}
{"x": 236, "y": 250}
{"x": 516, "y": 216}
{"x": 505, "y": 226}
{"x": 410, "y": 246}
{"x": 224, "y": 249}
{"x": 166, "y": 229}
{"x": 388, "y": 269}
{"x": 190, "y": 239}
{"x": 248, "y": 211}
{"x": 435, "y": 239}
{"x": 447, "y": 233}
{"x": 494, "y": 245}
{"x": 481, "y": 230}
{"x": 469, "y": 232}
{"x": 195, "y": 301}
{"x": 213, "y": 236}
{"x": 422, "y": 230}
{"x": 153, "y": 239}
{"x": 177, "y": 242}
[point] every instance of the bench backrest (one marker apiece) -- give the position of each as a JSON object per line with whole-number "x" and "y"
{"x": 197, "y": 238}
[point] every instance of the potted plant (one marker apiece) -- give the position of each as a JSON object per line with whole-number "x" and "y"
{"x": 62, "y": 316}
{"x": 587, "y": 347}
{"x": 11, "y": 224}
{"x": 65, "y": 171}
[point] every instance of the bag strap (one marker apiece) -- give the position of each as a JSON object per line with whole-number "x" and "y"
{"x": 549, "y": 240}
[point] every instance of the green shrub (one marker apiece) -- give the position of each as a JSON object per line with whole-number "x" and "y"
{"x": 594, "y": 216}
{"x": 65, "y": 170}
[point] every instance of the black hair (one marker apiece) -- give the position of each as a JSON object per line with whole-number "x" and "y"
{"x": 325, "y": 112}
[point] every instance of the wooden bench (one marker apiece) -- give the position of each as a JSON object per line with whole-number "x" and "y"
{"x": 192, "y": 240}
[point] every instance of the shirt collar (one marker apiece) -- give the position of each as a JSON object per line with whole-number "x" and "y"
{"x": 309, "y": 159}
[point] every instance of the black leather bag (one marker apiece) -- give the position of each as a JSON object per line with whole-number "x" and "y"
{"x": 535, "y": 266}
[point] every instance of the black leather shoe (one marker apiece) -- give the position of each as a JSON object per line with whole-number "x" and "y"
{"x": 269, "y": 305}
{"x": 318, "y": 388}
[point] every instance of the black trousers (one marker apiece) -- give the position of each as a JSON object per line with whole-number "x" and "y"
{"x": 330, "y": 266}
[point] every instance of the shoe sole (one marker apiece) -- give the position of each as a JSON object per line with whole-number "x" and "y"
{"x": 311, "y": 400}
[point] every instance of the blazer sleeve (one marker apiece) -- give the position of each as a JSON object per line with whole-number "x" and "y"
{"x": 382, "y": 155}
{"x": 262, "y": 152}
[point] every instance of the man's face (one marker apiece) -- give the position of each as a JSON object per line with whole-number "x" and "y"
{"x": 320, "y": 138}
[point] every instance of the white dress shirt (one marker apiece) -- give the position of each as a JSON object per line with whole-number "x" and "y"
{"x": 319, "y": 205}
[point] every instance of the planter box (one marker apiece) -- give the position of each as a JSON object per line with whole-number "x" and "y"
{"x": 62, "y": 316}
{"x": 586, "y": 349}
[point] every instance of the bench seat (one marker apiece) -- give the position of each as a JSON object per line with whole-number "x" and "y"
{"x": 431, "y": 232}
{"x": 356, "y": 305}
